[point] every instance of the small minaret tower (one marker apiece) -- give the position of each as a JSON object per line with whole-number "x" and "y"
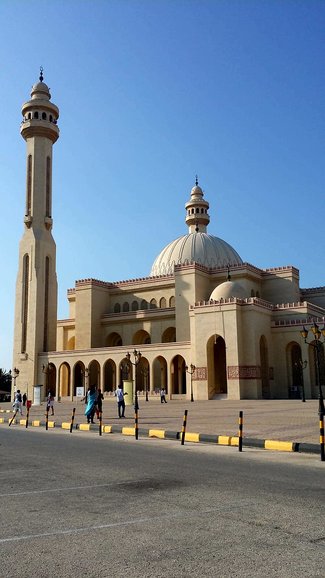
{"x": 36, "y": 286}
{"x": 197, "y": 217}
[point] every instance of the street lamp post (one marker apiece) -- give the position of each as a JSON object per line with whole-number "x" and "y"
{"x": 14, "y": 374}
{"x": 317, "y": 344}
{"x": 190, "y": 372}
{"x": 137, "y": 358}
{"x": 301, "y": 366}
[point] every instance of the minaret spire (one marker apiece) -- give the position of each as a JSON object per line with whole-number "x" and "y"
{"x": 197, "y": 217}
{"x": 41, "y": 77}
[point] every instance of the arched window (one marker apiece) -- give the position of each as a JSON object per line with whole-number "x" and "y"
{"x": 25, "y": 295}
{"x": 48, "y": 187}
{"x": 44, "y": 115}
{"x": 117, "y": 308}
{"x": 162, "y": 303}
{"x": 36, "y": 114}
{"x": 126, "y": 306}
{"x": 46, "y": 303}
{"x": 144, "y": 304}
{"x": 153, "y": 304}
{"x": 29, "y": 115}
{"x": 135, "y": 306}
{"x": 172, "y": 301}
{"x": 51, "y": 118}
{"x": 252, "y": 293}
{"x": 258, "y": 294}
{"x": 169, "y": 335}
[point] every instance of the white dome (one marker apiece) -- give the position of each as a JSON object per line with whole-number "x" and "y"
{"x": 196, "y": 247}
{"x": 227, "y": 290}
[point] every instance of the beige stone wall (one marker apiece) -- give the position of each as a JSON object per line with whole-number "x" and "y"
{"x": 281, "y": 286}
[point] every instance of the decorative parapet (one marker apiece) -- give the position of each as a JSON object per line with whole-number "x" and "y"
{"x": 281, "y": 269}
{"x": 312, "y": 290}
{"x": 235, "y": 300}
{"x": 117, "y": 284}
{"x": 260, "y": 303}
{"x": 294, "y": 322}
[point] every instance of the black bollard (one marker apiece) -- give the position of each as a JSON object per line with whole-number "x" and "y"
{"x": 27, "y": 417}
{"x": 136, "y": 415}
{"x": 240, "y": 431}
{"x": 100, "y": 422}
{"x": 13, "y": 417}
{"x": 184, "y": 427}
{"x": 322, "y": 439}
{"x": 72, "y": 419}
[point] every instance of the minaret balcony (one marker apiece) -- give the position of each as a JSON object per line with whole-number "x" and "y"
{"x": 36, "y": 127}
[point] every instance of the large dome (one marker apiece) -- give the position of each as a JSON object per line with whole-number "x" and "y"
{"x": 200, "y": 247}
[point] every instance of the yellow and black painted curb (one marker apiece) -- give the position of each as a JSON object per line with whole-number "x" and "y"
{"x": 222, "y": 440}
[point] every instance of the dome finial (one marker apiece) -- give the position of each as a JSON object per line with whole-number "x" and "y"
{"x": 196, "y": 180}
{"x": 41, "y": 77}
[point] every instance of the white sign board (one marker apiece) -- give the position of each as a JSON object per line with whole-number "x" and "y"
{"x": 80, "y": 391}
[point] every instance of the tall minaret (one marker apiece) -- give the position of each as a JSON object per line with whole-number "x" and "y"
{"x": 36, "y": 287}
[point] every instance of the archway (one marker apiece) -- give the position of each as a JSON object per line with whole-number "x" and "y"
{"x": 50, "y": 379}
{"x": 169, "y": 335}
{"x": 64, "y": 380}
{"x": 109, "y": 376}
{"x": 79, "y": 377}
{"x": 141, "y": 337}
{"x": 217, "y": 366}
{"x": 143, "y": 375}
{"x": 94, "y": 374}
{"x": 294, "y": 371}
{"x": 178, "y": 376}
{"x": 113, "y": 340}
{"x": 159, "y": 369}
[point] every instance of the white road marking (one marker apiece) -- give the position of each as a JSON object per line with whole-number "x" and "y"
{"x": 72, "y": 531}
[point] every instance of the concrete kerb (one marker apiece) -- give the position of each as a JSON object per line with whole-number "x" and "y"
{"x": 273, "y": 445}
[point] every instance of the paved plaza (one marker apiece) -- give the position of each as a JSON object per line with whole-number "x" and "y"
{"x": 282, "y": 420}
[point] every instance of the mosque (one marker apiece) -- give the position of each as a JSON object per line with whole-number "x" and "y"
{"x": 202, "y": 325}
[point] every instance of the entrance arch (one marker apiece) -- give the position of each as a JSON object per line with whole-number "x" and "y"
{"x": 178, "y": 376}
{"x": 159, "y": 372}
{"x": 64, "y": 380}
{"x": 109, "y": 376}
{"x": 294, "y": 370}
{"x": 217, "y": 366}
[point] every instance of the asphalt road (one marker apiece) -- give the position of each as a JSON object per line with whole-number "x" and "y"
{"x": 82, "y": 505}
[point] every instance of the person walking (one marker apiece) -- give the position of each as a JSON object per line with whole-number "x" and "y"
{"x": 24, "y": 399}
{"x": 120, "y": 401}
{"x": 163, "y": 396}
{"x": 18, "y": 401}
{"x": 50, "y": 403}
{"x": 91, "y": 404}
{"x": 99, "y": 402}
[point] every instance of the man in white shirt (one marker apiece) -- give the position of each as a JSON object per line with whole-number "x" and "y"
{"x": 120, "y": 401}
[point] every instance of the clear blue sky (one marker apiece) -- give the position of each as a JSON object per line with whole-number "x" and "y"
{"x": 150, "y": 93}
